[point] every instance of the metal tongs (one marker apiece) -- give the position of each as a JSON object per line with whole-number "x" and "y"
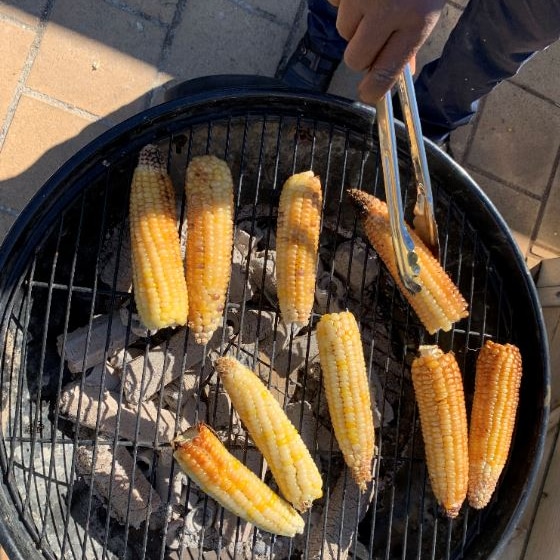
{"x": 424, "y": 219}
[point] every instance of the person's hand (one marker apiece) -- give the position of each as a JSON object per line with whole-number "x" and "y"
{"x": 383, "y": 35}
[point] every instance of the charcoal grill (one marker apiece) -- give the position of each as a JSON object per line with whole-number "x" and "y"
{"x": 52, "y": 283}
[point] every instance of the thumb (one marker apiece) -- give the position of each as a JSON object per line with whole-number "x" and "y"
{"x": 335, "y": 3}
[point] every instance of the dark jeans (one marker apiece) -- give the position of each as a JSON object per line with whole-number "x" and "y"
{"x": 321, "y": 26}
{"x": 490, "y": 42}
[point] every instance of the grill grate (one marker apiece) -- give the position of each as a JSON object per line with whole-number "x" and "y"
{"x": 74, "y": 271}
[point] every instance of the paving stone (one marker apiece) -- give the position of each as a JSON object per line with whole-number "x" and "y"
{"x": 517, "y": 138}
{"x": 103, "y": 60}
{"x": 345, "y": 82}
{"x": 433, "y": 46}
{"x": 14, "y": 46}
{"x": 523, "y": 242}
{"x": 549, "y": 231}
{"x": 459, "y": 140}
{"x": 536, "y": 73}
{"x": 540, "y": 253}
{"x": 163, "y": 10}
{"x": 460, "y": 3}
{"x": 279, "y": 12}
{"x": 221, "y": 38}
{"x": 518, "y": 210}
{"x": 26, "y": 11}
{"x": 41, "y": 138}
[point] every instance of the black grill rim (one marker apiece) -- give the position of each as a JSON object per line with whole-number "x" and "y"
{"x": 126, "y": 138}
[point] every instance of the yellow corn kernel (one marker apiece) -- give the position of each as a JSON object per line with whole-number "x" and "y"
{"x": 496, "y": 395}
{"x": 438, "y": 387}
{"x": 222, "y": 476}
{"x": 210, "y": 208}
{"x": 158, "y": 277}
{"x": 274, "y": 435}
{"x": 347, "y": 389}
{"x": 297, "y": 241}
{"x": 439, "y": 303}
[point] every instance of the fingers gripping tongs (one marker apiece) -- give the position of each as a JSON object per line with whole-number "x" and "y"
{"x": 424, "y": 221}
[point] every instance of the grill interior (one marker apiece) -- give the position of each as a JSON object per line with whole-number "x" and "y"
{"x": 72, "y": 274}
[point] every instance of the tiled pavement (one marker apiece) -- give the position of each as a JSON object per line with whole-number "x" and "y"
{"x": 70, "y": 69}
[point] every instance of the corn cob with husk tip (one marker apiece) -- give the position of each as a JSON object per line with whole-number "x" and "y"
{"x": 210, "y": 208}
{"x": 297, "y": 241}
{"x": 438, "y": 387}
{"x": 347, "y": 390}
{"x": 439, "y": 303}
{"x": 275, "y": 436}
{"x": 222, "y": 476}
{"x": 496, "y": 395}
{"x": 158, "y": 276}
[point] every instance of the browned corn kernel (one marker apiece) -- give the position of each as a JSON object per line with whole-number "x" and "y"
{"x": 275, "y": 436}
{"x": 158, "y": 276}
{"x": 496, "y": 395}
{"x": 226, "y": 479}
{"x": 439, "y": 303}
{"x": 210, "y": 208}
{"x": 297, "y": 241}
{"x": 347, "y": 389}
{"x": 438, "y": 387}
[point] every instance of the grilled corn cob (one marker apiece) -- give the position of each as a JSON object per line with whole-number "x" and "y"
{"x": 206, "y": 461}
{"x": 209, "y": 197}
{"x": 275, "y": 436}
{"x": 439, "y": 303}
{"x": 438, "y": 387}
{"x": 496, "y": 395}
{"x": 158, "y": 276}
{"x": 297, "y": 240}
{"x": 347, "y": 390}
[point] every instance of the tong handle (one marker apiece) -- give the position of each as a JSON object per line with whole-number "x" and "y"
{"x": 407, "y": 259}
{"x": 425, "y": 221}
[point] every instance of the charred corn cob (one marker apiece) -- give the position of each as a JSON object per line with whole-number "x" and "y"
{"x": 226, "y": 479}
{"x": 275, "y": 436}
{"x": 347, "y": 390}
{"x": 297, "y": 240}
{"x": 158, "y": 276}
{"x": 439, "y": 303}
{"x": 209, "y": 197}
{"x": 496, "y": 395}
{"x": 438, "y": 387}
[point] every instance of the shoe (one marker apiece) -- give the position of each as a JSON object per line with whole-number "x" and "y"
{"x": 307, "y": 69}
